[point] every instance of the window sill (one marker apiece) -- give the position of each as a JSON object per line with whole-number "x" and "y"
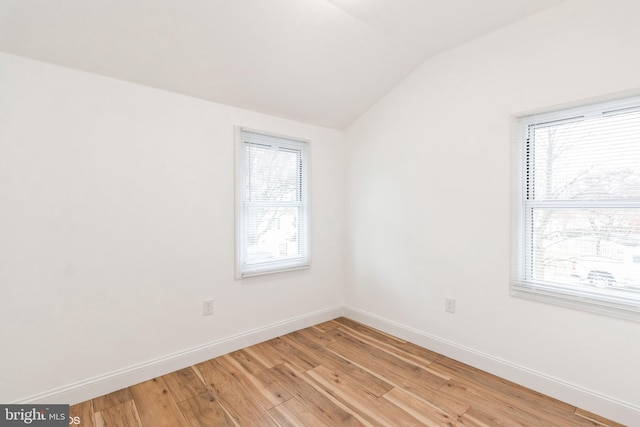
{"x": 589, "y": 301}
{"x": 262, "y": 272}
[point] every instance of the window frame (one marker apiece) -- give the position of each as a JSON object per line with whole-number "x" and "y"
{"x": 243, "y": 269}
{"x": 592, "y": 300}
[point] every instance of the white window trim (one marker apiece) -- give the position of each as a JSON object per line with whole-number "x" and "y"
{"x": 303, "y": 262}
{"x": 592, "y": 300}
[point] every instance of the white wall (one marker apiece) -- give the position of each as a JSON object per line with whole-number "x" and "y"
{"x": 116, "y": 216}
{"x": 429, "y": 198}
{"x": 117, "y": 220}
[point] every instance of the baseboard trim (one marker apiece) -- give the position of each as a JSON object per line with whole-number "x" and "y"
{"x": 620, "y": 411}
{"x": 614, "y": 409}
{"x": 116, "y": 380}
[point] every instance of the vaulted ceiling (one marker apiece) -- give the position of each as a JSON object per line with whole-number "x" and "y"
{"x": 323, "y": 62}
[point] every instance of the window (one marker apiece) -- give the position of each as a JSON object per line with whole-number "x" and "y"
{"x": 578, "y": 211}
{"x": 272, "y": 203}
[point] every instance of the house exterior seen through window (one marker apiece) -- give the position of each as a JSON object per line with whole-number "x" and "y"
{"x": 272, "y": 209}
{"x": 578, "y": 208}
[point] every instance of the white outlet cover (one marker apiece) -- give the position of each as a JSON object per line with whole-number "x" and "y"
{"x": 207, "y": 307}
{"x": 450, "y": 305}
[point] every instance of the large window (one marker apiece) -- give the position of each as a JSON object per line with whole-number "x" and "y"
{"x": 272, "y": 203}
{"x": 578, "y": 215}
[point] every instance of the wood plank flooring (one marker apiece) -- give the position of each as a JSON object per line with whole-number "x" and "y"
{"x": 338, "y": 373}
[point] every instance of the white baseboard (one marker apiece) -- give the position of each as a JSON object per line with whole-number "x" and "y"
{"x": 581, "y": 397}
{"x": 116, "y": 380}
{"x": 572, "y": 394}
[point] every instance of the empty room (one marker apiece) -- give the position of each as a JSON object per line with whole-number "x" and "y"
{"x": 320, "y": 212}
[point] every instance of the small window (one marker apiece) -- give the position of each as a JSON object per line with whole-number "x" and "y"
{"x": 272, "y": 203}
{"x": 578, "y": 208}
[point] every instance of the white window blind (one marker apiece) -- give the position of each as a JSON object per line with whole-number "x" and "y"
{"x": 272, "y": 219}
{"x": 578, "y": 216}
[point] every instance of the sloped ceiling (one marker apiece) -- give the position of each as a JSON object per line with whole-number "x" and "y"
{"x": 322, "y": 62}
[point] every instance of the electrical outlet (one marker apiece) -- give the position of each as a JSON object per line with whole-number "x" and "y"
{"x": 450, "y": 305}
{"x": 207, "y": 307}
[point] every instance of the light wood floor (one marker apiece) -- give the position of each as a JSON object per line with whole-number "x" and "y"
{"x": 332, "y": 374}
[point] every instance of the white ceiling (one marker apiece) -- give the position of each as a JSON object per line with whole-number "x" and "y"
{"x": 323, "y": 62}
